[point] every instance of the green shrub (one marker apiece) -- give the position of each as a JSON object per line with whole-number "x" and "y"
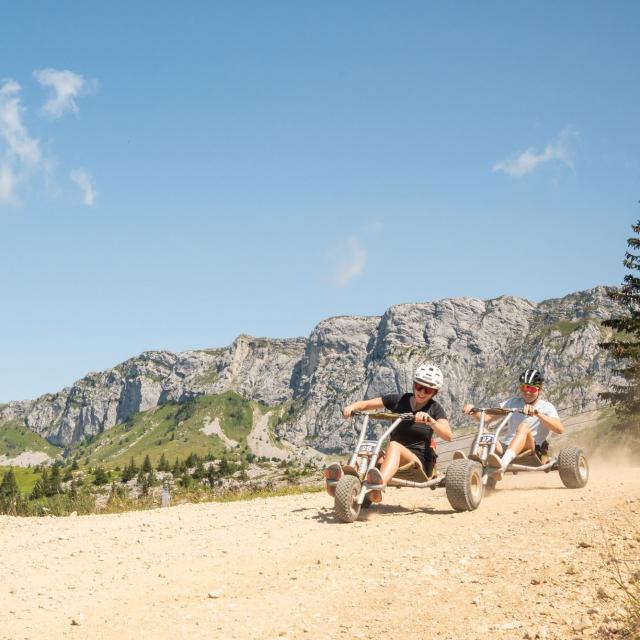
{"x": 101, "y": 476}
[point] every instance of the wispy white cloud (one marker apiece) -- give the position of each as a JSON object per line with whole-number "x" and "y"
{"x": 348, "y": 261}
{"x": 7, "y": 185}
{"x": 527, "y": 161}
{"x": 13, "y": 133}
{"x": 84, "y": 181}
{"x": 21, "y": 157}
{"x": 19, "y": 153}
{"x": 66, "y": 85}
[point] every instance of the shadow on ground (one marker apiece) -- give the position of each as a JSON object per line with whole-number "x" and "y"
{"x": 327, "y": 515}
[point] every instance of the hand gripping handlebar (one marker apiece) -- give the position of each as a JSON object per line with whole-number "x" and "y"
{"x": 498, "y": 411}
{"x": 385, "y": 415}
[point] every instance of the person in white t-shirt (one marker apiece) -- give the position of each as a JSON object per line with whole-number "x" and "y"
{"x": 528, "y": 431}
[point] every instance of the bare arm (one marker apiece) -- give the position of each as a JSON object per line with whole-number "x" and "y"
{"x": 443, "y": 429}
{"x": 476, "y": 414}
{"x": 553, "y": 424}
{"x": 362, "y": 405}
{"x": 440, "y": 427}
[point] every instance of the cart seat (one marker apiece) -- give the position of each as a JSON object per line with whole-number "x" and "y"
{"x": 530, "y": 458}
{"x": 414, "y": 472}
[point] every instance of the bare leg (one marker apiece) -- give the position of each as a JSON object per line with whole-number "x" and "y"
{"x": 522, "y": 440}
{"x": 396, "y": 456}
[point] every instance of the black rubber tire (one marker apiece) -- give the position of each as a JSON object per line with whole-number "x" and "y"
{"x": 491, "y": 483}
{"x": 573, "y": 468}
{"x": 366, "y": 503}
{"x": 345, "y": 505}
{"x": 464, "y": 486}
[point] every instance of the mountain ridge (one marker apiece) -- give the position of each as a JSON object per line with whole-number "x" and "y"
{"x": 479, "y": 344}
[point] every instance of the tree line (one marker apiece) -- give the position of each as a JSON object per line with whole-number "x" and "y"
{"x": 624, "y": 346}
{"x": 71, "y": 483}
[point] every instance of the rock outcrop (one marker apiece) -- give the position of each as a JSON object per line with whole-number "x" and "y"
{"x": 480, "y": 345}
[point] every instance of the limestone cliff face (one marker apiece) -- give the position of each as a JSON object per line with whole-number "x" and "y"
{"x": 256, "y": 368}
{"x": 481, "y": 347}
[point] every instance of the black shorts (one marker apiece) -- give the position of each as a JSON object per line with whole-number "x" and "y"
{"x": 426, "y": 455}
{"x": 542, "y": 449}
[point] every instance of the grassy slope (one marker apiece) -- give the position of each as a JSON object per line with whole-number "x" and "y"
{"x": 172, "y": 429}
{"x": 25, "y": 477}
{"x": 16, "y": 438}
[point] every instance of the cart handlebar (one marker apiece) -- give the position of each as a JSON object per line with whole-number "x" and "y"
{"x": 382, "y": 415}
{"x": 498, "y": 411}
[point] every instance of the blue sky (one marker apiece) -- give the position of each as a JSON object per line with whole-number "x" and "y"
{"x": 173, "y": 175}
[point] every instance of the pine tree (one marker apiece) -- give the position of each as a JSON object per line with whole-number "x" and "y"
{"x": 11, "y": 500}
{"x": 163, "y": 465}
{"x": 38, "y": 490}
{"x": 146, "y": 465}
{"x": 624, "y": 345}
{"x": 187, "y": 480}
{"x": 53, "y": 485}
{"x": 192, "y": 460}
{"x": 9, "y": 485}
{"x": 226, "y": 468}
{"x": 146, "y": 485}
{"x": 129, "y": 471}
{"x": 101, "y": 476}
{"x": 46, "y": 484}
{"x": 211, "y": 475}
{"x": 199, "y": 472}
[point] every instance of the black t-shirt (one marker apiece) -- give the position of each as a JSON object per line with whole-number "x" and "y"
{"x": 416, "y": 437}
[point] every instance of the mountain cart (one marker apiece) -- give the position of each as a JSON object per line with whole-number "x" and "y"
{"x": 468, "y": 475}
{"x": 348, "y": 483}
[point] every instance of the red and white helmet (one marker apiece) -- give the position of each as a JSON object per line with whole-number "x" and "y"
{"x": 429, "y": 375}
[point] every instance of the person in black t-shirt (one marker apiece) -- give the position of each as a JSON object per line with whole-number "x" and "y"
{"x": 411, "y": 440}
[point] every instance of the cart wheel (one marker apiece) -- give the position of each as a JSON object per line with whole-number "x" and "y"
{"x": 464, "y": 485}
{"x": 346, "y": 504}
{"x": 573, "y": 468}
{"x": 491, "y": 483}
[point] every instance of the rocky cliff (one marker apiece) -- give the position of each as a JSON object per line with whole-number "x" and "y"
{"x": 480, "y": 345}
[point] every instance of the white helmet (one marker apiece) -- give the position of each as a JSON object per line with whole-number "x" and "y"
{"x": 428, "y": 375}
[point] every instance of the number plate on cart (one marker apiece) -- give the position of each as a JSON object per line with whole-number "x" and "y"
{"x": 487, "y": 438}
{"x": 367, "y": 447}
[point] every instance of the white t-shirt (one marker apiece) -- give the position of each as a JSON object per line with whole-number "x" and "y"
{"x": 538, "y": 430}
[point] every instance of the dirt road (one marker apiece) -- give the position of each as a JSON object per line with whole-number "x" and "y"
{"x": 531, "y": 560}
